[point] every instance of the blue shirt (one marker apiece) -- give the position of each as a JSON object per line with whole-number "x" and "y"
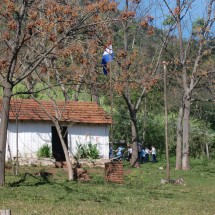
{"x": 143, "y": 153}
{"x": 119, "y": 151}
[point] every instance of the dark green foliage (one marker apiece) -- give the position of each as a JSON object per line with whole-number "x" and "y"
{"x": 201, "y": 132}
{"x": 122, "y": 129}
{"x": 155, "y": 132}
{"x": 44, "y": 151}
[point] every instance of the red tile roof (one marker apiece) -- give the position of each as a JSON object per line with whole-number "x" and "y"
{"x": 71, "y": 111}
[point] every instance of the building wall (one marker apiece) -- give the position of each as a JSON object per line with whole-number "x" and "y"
{"x": 84, "y": 134}
{"x": 32, "y": 135}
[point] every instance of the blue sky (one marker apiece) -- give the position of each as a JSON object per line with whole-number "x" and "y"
{"x": 159, "y": 10}
{"x": 197, "y": 10}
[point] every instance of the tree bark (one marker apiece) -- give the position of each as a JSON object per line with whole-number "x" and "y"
{"x": 65, "y": 150}
{"x": 94, "y": 93}
{"x": 7, "y": 93}
{"x": 134, "y": 136}
{"x": 207, "y": 151}
{"x": 78, "y": 88}
{"x": 134, "y": 130}
{"x": 179, "y": 140}
{"x": 186, "y": 130}
{"x": 144, "y": 120}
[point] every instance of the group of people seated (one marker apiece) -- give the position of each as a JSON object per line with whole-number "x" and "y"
{"x": 143, "y": 153}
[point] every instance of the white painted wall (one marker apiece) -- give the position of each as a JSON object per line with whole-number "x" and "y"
{"x": 83, "y": 134}
{"x": 32, "y": 135}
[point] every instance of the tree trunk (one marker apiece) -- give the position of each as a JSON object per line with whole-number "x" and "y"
{"x": 179, "y": 140}
{"x": 59, "y": 131}
{"x": 17, "y": 145}
{"x": 78, "y": 88}
{"x": 7, "y": 93}
{"x": 134, "y": 159}
{"x": 144, "y": 120}
{"x": 166, "y": 124}
{"x": 94, "y": 93}
{"x": 207, "y": 151}
{"x": 65, "y": 150}
{"x": 186, "y": 131}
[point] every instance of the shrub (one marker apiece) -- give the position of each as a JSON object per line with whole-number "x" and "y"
{"x": 204, "y": 161}
{"x": 88, "y": 151}
{"x": 44, "y": 151}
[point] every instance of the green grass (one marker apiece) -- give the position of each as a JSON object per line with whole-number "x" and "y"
{"x": 140, "y": 194}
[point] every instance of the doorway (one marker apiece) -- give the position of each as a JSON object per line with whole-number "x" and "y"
{"x": 57, "y": 149}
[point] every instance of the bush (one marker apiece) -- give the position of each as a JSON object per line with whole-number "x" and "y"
{"x": 44, "y": 151}
{"x": 88, "y": 151}
{"x": 204, "y": 161}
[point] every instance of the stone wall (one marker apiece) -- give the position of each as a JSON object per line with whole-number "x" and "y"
{"x": 51, "y": 162}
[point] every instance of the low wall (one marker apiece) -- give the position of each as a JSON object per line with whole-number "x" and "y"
{"x": 114, "y": 171}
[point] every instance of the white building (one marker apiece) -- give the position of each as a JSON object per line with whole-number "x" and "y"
{"x": 30, "y": 127}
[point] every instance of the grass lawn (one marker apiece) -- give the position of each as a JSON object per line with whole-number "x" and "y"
{"x": 141, "y": 193}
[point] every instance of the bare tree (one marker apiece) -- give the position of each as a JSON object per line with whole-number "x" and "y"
{"x": 188, "y": 64}
{"x": 56, "y": 121}
{"x": 29, "y": 36}
{"x": 136, "y": 74}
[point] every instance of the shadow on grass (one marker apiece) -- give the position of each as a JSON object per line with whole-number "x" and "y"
{"x": 27, "y": 179}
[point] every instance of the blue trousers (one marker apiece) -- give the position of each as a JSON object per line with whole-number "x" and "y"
{"x": 154, "y": 158}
